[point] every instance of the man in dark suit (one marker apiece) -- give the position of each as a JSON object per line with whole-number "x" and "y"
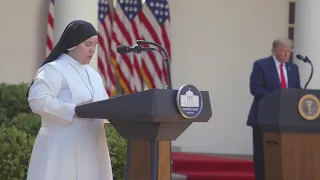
{"x": 268, "y": 75}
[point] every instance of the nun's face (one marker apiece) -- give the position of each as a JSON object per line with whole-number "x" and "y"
{"x": 85, "y": 50}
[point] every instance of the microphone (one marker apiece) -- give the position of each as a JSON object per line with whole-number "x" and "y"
{"x": 138, "y": 49}
{"x": 306, "y": 60}
{"x": 303, "y": 58}
{"x": 124, "y": 49}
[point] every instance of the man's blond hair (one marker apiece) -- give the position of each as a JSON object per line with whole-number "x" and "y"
{"x": 282, "y": 42}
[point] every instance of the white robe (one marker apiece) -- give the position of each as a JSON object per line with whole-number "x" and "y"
{"x": 67, "y": 148}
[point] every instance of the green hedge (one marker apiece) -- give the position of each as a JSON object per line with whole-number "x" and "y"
{"x": 19, "y": 127}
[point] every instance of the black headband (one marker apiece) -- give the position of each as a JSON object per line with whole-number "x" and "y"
{"x": 75, "y": 33}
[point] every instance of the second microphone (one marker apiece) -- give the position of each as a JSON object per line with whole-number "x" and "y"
{"x": 124, "y": 49}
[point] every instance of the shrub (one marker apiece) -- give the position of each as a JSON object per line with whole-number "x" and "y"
{"x": 118, "y": 150}
{"x": 28, "y": 123}
{"x": 3, "y": 117}
{"x": 15, "y": 151}
{"x": 13, "y": 99}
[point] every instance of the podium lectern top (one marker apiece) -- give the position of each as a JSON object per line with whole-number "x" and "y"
{"x": 290, "y": 110}
{"x": 146, "y": 115}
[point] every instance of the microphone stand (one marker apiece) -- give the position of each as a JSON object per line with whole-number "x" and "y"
{"x": 154, "y": 145}
{"x": 307, "y": 60}
{"x": 164, "y": 55}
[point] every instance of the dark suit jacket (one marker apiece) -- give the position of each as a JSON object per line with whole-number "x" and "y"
{"x": 264, "y": 79}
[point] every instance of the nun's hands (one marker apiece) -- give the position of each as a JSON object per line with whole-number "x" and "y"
{"x": 83, "y": 103}
{"x": 86, "y": 102}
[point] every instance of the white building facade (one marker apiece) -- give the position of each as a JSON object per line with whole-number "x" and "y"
{"x": 214, "y": 45}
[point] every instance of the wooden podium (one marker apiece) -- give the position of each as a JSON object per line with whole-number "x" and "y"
{"x": 149, "y": 120}
{"x": 291, "y": 126}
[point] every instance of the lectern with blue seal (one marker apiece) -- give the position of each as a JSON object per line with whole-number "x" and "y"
{"x": 189, "y": 101}
{"x": 149, "y": 120}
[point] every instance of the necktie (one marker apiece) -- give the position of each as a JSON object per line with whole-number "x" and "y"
{"x": 283, "y": 80}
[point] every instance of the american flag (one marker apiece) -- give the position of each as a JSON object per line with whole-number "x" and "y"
{"x": 155, "y": 27}
{"x": 125, "y": 31}
{"x": 105, "y": 67}
{"x": 50, "y": 24}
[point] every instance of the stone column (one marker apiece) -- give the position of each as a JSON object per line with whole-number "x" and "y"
{"x": 307, "y": 40}
{"x": 69, "y": 10}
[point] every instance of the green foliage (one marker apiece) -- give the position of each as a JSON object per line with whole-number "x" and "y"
{"x": 118, "y": 150}
{"x": 3, "y": 117}
{"x": 19, "y": 127}
{"x": 28, "y": 123}
{"x": 15, "y": 151}
{"x": 13, "y": 99}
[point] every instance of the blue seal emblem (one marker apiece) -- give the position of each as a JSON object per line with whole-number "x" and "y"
{"x": 189, "y": 101}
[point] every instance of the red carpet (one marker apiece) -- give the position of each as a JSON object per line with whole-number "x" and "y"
{"x": 204, "y": 167}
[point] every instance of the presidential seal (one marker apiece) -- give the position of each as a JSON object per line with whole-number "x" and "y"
{"x": 189, "y": 101}
{"x": 309, "y": 107}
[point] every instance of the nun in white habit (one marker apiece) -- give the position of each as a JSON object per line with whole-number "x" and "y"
{"x": 67, "y": 147}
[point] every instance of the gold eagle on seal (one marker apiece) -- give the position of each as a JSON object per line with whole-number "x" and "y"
{"x": 309, "y": 107}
